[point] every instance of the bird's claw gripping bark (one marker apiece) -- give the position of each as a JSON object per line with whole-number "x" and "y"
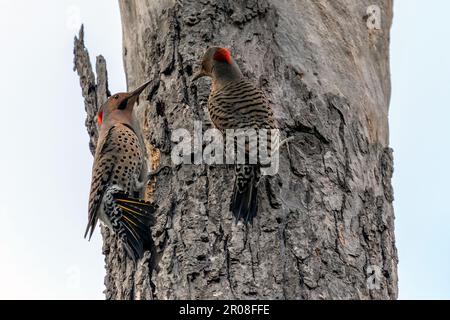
{"x": 139, "y": 185}
{"x": 153, "y": 173}
{"x": 286, "y": 142}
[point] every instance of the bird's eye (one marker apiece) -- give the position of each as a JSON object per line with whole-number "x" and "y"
{"x": 116, "y": 96}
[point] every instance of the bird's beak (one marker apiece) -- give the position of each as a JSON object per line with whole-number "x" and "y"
{"x": 200, "y": 73}
{"x": 133, "y": 96}
{"x": 138, "y": 91}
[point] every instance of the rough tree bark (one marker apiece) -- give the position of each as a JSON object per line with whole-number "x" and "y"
{"x": 325, "y": 228}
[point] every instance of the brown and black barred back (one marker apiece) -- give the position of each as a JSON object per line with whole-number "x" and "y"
{"x": 240, "y": 105}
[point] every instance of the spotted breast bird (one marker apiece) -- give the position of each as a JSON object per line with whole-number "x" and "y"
{"x": 236, "y": 103}
{"x": 119, "y": 176}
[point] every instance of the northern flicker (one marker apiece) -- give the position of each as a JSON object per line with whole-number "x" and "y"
{"x": 236, "y": 103}
{"x": 119, "y": 175}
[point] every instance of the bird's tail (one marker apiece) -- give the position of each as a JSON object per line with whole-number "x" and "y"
{"x": 135, "y": 220}
{"x": 244, "y": 203}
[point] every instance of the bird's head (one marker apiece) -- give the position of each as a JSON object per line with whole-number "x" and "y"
{"x": 217, "y": 63}
{"x": 119, "y": 106}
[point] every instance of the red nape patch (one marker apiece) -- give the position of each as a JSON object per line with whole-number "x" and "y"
{"x": 224, "y": 55}
{"x": 100, "y": 118}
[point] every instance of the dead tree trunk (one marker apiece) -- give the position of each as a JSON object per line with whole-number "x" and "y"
{"x": 325, "y": 228}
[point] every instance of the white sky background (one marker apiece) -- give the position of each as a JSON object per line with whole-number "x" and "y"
{"x": 420, "y": 133}
{"x": 45, "y": 167}
{"x": 45, "y": 164}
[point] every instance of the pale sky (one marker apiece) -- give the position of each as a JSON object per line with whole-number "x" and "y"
{"x": 46, "y": 164}
{"x": 420, "y": 133}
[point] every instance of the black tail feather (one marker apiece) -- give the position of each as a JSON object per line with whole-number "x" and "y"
{"x": 137, "y": 217}
{"x": 244, "y": 203}
{"x": 90, "y": 227}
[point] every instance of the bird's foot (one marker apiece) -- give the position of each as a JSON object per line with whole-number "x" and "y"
{"x": 286, "y": 142}
{"x": 153, "y": 173}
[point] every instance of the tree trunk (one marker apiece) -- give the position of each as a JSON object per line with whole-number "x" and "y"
{"x": 325, "y": 226}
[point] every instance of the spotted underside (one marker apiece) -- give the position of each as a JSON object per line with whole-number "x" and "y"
{"x": 118, "y": 162}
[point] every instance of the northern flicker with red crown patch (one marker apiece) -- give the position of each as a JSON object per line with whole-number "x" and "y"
{"x": 236, "y": 103}
{"x": 119, "y": 176}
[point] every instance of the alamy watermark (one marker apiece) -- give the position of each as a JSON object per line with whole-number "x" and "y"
{"x": 374, "y": 276}
{"x": 373, "y": 17}
{"x": 235, "y": 146}
{"x": 73, "y": 279}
